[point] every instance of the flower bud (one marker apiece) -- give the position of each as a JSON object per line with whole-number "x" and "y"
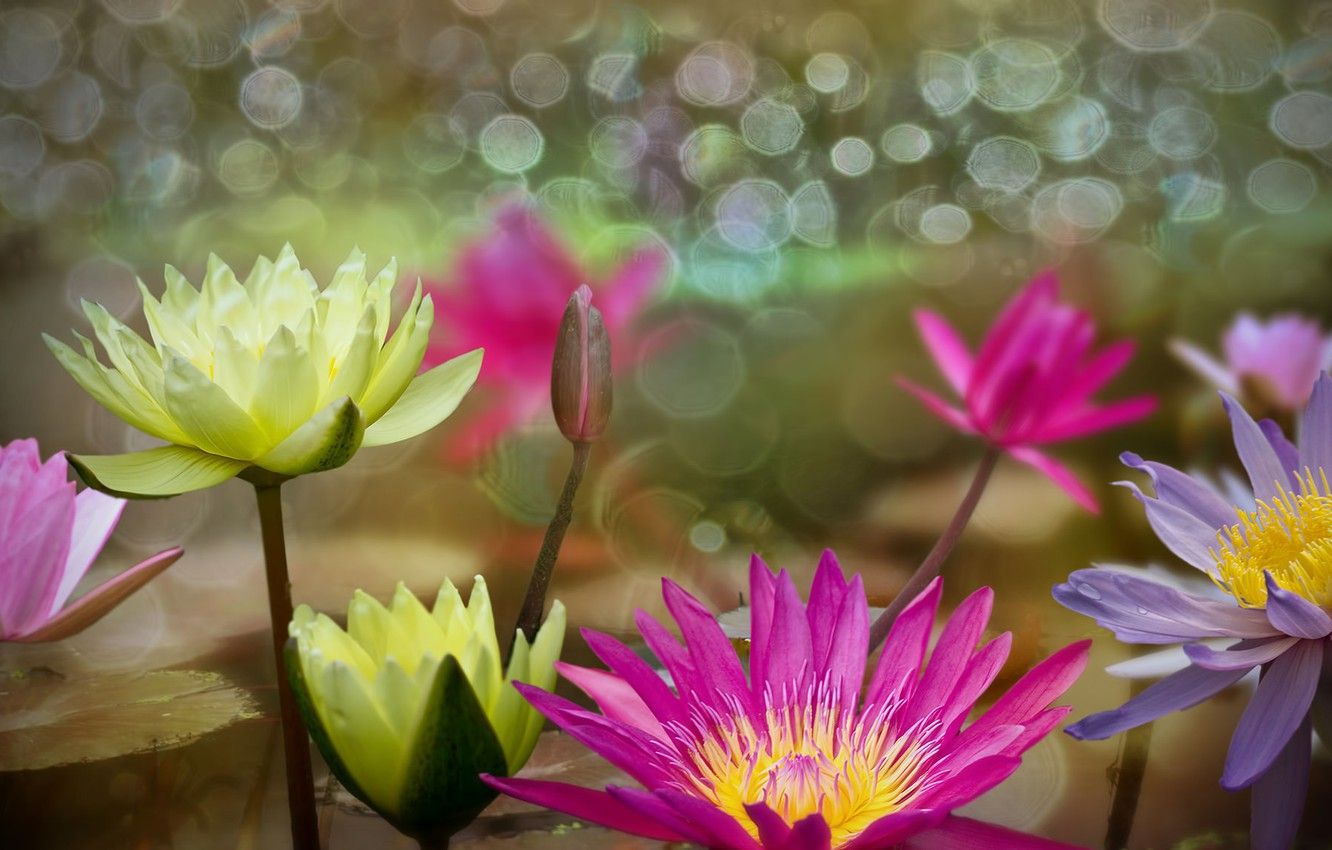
{"x": 580, "y": 378}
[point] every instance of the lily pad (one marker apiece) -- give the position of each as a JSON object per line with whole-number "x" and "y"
{"x": 48, "y": 720}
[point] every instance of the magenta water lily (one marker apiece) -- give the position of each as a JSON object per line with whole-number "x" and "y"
{"x": 1269, "y": 549}
{"x": 52, "y": 535}
{"x": 1031, "y": 381}
{"x": 792, "y": 755}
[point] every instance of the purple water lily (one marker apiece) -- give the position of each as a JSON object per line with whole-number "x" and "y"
{"x": 1272, "y": 557}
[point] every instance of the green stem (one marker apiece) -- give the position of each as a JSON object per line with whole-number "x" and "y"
{"x": 534, "y": 603}
{"x": 296, "y": 744}
{"x": 930, "y": 567}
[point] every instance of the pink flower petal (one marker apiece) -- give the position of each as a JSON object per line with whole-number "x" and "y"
{"x": 95, "y": 517}
{"x": 951, "y": 415}
{"x": 583, "y": 803}
{"x": 98, "y": 602}
{"x": 1059, "y": 474}
{"x": 950, "y": 353}
{"x": 614, "y": 696}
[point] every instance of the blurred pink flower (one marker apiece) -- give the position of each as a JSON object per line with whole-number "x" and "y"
{"x": 507, "y": 293}
{"x": 51, "y": 537}
{"x": 1278, "y": 360}
{"x": 1032, "y": 380}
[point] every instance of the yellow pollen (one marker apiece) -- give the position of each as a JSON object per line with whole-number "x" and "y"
{"x": 810, "y": 757}
{"x": 1289, "y": 536}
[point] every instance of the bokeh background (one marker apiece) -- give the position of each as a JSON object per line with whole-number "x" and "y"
{"x": 811, "y": 171}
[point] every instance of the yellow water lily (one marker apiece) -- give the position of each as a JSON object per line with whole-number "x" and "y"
{"x": 271, "y": 375}
{"x": 408, "y": 706}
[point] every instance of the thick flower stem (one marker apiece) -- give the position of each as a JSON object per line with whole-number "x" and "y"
{"x": 534, "y": 603}
{"x": 433, "y": 843}
{"x": 930, "y": 567}
{"x": 296, "y": 744}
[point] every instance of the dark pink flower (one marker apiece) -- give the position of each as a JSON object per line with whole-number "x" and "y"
{"x": 507, "y": 293}
{"x": 51, "y": 537}
{"x": 791, "y": 755}
{"x": 1032, "y": 380}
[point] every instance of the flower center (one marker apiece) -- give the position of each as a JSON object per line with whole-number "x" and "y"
{"x": 1289, "y": 536}
{"x": 810, "y": 757}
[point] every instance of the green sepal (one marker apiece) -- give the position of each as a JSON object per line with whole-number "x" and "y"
{"x": 326, "y": 441}
{"x": 315, "y": 726}
{"x": 455, "y": 744}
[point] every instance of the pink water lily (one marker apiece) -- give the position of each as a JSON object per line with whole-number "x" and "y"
{"x": 1032, "y": 380}
{"x": 1276, "y": 360}
{"x": 507, "y": 293}
{"x": 51, "y": 537}
{"x": 799, "y": 754}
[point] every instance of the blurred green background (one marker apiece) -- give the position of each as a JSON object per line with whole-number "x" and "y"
{"x": 812, "y": 170}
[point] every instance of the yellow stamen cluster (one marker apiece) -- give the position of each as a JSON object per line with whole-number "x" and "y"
{"x": 1289, "y": 536}
{"x": 811, "y": 757}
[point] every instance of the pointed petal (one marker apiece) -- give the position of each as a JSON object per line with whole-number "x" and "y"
{"x": 1140, "y": 610}
{"x": 427, "y": 401}
{"x": 952, "y": 652}
{"x": 155, "y": 473}
{"x": 1181, "y": 531}
{"x": 714, "y": 658}
{"x": 645, "y": 681}
{"x": 1205, "y": 365}
{"x": 286, "y": 392}
{"x": 1278, "y": 707}
{"x": 583, "y": 803}
{"x": 95, "y": 517}
{"x": 902, "y": 826}
{"x": 1278, "y": 795}
{"x": 1182, "y": 690}
{"x": 904, "y": 648}
{"x": 207, "y": 415}
{"x": 1255, "y": 452}
{"x": 399, "y": 358}
{"x": 1316, "y": 428}
{"x": 614, "y": 696}
{"x": 1286, "y": 453}
{"x": 1059, "y": 474}
{"x": 762, "y": 589}
{"x": 940, "y": 408}
{"x": 1185, "y": 492}
{"x": 1039, "y": 687}
{"x": 1152, "y": 665}
{"x": 950, "y": 353}
{"x": 326, "y": 441}
{"x": 98, "y": 602}
{"x": 1244, "y": 655}
{"x": 1295, "y": 615}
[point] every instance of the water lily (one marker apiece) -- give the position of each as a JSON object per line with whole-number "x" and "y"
{"x": 507, "y": 292}
{"x": 408, "y": 706}
{"x": 1031, "y": 381}
{"x": 1273, "y": 363}
{"x": 791, "y": 755}
{"x": 1270, "y": 554}
{"x": 271, "y": 376}
{"x": 52, "y": 535}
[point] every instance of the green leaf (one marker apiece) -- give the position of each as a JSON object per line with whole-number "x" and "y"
{"x": 428, "y": 401}
{"x": 154, "y": 473}
{"x": 454, "y": 745}
{"x": 50, "y": 720}
{"x": 326, "y": 441}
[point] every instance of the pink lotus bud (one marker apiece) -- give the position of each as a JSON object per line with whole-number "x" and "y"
{"x": 580, "y": 378}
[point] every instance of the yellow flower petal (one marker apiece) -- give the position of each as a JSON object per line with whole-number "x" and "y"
{"x": 428, "y": 400}
{"x": 154, "y": 473}
{"x": 207, "y": 415}
{"x": 400, "y": 358}
{"x": 286, "y": 392}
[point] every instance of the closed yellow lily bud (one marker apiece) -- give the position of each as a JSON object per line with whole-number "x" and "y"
{"x": 272, "y": 376}
{"x": 409, "y": 706}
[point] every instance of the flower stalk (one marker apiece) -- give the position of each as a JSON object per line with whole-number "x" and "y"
{"x": 580, "y": 399}
{"x": 930, "y": 568}
{"x": 296, "y": 744}
{"x": 534, "y": 602}
{"x": 1128, "y": 783}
